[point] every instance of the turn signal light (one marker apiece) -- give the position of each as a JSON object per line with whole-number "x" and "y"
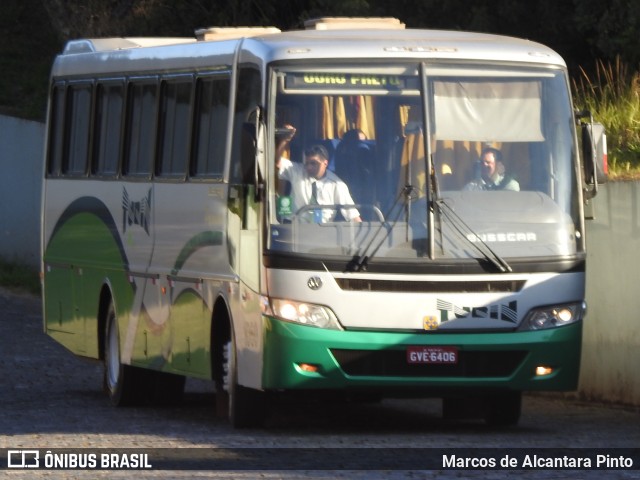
{"x": 542, "y": 370}
{"x": 308, "y": 367}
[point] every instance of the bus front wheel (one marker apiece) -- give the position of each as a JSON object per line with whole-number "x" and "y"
{"x": 245, "y": 405}
{"x": 124, "y": 384}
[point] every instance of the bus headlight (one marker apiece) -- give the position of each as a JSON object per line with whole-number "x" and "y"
{"x": 302, "y": 313}
{"x": 554, "y": 316}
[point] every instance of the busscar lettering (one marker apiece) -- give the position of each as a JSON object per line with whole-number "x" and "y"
{"x": 503, "y": 237}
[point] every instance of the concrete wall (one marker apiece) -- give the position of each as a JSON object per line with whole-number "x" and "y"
{"x": 21, "y": 143}
{"x": 611, "y": 343}
{"x": 611, "y": 347}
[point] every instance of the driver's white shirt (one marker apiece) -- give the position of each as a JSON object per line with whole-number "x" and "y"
{"x": 330, "y": 190}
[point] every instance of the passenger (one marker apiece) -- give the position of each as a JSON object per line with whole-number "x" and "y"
{"x": 353, "y": 135}
{"x": 313, "y": 184}
{"x": 492, "y": 173}
{"x": 354, "y": 163}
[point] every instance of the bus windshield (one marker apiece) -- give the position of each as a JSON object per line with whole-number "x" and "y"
{"x": 423, "y": 163}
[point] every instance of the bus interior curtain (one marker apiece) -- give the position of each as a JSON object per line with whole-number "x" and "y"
{"x": 412, "y": 162}
{"x": 341, "y": 114}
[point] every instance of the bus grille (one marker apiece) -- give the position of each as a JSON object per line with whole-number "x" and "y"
{"x": 363, "y": 284}
{"x": 393, "y": 363}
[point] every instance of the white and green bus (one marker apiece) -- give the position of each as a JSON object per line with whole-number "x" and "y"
{"x": 171, "y": 248}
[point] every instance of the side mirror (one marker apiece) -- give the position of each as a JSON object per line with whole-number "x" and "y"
{"x": 261, "y": 158}
{"x": 594, "y": 154}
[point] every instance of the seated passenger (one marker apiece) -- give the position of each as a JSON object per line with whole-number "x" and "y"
{"x": 354, "y": 165}
{"x": 492, "y": 173}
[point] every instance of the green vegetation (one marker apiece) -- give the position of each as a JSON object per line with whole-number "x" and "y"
{"x": 612, "y": 95}
{"x": 19, "y": 277}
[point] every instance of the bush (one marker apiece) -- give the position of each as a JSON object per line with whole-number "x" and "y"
{"x": 16, "y": 276}
{"x": 613, "y": 97}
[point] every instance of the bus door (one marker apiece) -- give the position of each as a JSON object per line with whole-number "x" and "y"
{"x": 244, "y": 213}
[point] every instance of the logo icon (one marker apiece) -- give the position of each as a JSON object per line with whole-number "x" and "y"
{"x": 430, "y": 322}
{"x": 136, "y": 213}
{"x": 314, "y": 283}
{"x": 23, "y": 459}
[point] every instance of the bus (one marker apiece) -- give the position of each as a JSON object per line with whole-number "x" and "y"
{"x": 173, "y": 246}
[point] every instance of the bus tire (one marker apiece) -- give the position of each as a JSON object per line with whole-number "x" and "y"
{"x": 125, "y": 385}
{"x": 245, "y": 405}
{"x": 503, "y": 410}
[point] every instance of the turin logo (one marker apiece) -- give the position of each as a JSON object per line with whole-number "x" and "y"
{"x": 507, "y": 312}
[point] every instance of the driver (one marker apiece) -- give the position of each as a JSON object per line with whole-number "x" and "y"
{"x": 492, "y": 173}
{"x": 313, "y": 184}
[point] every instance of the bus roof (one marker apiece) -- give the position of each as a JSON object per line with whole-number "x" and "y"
{"x": 376, "y": 40}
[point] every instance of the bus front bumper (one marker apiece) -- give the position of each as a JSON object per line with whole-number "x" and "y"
{"x": 298, "y": 357}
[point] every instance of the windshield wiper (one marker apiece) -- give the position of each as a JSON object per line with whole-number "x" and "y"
{"x": 443, "y": 209}
{"x": 467, "y": 233}
{"x": 359, "y": 262}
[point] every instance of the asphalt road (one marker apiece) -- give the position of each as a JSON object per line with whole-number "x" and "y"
{"x": 50, "y": 400}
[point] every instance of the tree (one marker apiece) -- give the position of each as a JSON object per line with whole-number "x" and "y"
{"x": 610, "y": 29}
{"x": 582, "y": 31}
{"x": 26, "y": 52}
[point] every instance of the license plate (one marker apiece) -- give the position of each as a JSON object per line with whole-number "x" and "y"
{"x": 432, "y": 355}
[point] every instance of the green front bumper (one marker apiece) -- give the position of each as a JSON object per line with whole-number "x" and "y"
{"x": 377, "y": 360}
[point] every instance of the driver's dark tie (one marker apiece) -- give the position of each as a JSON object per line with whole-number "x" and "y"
{"x": 317, "y": 213}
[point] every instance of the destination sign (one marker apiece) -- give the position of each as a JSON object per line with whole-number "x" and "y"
{"x": 355, "y": 81}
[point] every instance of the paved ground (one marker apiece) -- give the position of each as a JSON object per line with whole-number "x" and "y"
{"x": 50, "y": 399}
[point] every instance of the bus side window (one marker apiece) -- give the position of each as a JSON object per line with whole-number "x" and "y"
{"x": 243, "y": 151}
{"x": 210, "y": 126}
{"x": 56, "y": 129}
{"x": 77, "y": 134}
{"x": 175, "y": 115}
{"x": 108, "y": 128}
{"x": 141, "y": 128}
